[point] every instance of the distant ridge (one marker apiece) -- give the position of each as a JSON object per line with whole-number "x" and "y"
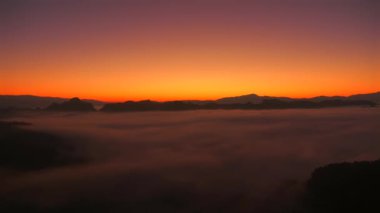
{"x": 37, "y": 102}
{"x": 74, "y": 104}
{"x": 253, "y": 98}
{"x": 265, "y": 104}
{"x": 375, "y": 97}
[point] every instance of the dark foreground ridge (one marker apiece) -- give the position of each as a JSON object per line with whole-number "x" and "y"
{"x": 27, "y": 150}
{"x": 74, "y": 104}
{"x": 344, "y": 187}
{"x": 148, "y": 105}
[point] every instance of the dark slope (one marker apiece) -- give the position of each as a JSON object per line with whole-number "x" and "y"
{"x": 253, "y": 98}
{"x": 265, "y": 104}
{"x": 74, "y": 104}
{"x": 27, "y": 150}
{"x": 344, "y": 187}
{"x": 33, "y": 102}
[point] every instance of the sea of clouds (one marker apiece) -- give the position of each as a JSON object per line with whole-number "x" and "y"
{"x": 191, "y": 161}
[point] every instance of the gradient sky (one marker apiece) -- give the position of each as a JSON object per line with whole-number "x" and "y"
{"x": 188, "y": 49}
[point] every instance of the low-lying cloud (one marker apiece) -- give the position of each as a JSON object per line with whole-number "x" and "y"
{"x": 191, "y": 161}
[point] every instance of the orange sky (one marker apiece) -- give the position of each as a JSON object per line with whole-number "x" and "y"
{"x": 163, "y": 54}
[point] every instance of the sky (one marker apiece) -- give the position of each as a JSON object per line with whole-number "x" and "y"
{"x": 188, "y": 49}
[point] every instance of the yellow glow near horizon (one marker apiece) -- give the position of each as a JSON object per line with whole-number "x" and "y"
{"x": 196, "y": 58}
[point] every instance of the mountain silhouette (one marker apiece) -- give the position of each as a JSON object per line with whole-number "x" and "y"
{"x": 74, "y": 104}
{"x": 375, "y": 97}
{"x": 265, "y": 104}
{"x": 25, "y": 149}
{"x": 10, "y": 102}
{"x": 148, "y": 105}
{"x": 253, "y": 98}
{"x": 34, "y": 102}
{"x": 344, "y": 187}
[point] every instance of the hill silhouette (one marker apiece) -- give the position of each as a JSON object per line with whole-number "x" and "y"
{"x": 148, "y": 105}
{"x": 74, "y": 104}
{"x": 11, "y": 102}
{"x": 27, "y": 150}
{"x": 375, "y": 97}
{"x": 344, "y": 187}
{"x": 34, "y": 102}
{"x": 253, "y": 98}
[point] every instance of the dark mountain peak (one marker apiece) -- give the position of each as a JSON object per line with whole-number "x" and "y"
{"x": 35, "y": 102}
{"x": 250, "y": 98}
{"x": 252, "y": 95}
{"x": 74, "y": 104}
{"x": 75, "y": 99}
{"x": 371, "y": 96}
{"x": 256, "y": 99}
{"x": 148, "y": 101}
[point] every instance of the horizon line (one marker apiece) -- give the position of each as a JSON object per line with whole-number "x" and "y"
{"x": 190, "y": 99}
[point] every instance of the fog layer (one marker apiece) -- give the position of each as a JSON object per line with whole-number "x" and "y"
{"x": 191, "y": 161}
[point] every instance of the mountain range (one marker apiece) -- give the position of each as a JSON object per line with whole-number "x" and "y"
{"x": 255, "y": 99}
{"x": 38, "y": 102}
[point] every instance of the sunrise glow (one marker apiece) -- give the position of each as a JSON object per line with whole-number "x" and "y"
{"x": 188, "y": 49}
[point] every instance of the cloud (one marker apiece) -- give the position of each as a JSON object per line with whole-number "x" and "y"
{"x": 214, "y": 161}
